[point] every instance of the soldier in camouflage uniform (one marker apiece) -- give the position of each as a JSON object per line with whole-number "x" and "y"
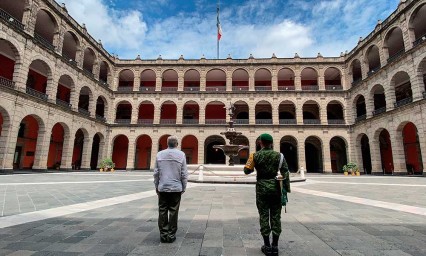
{"x": 268, "y": 192}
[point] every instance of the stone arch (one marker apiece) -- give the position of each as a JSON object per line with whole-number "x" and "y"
{"x": 216, "y": 79}
{"x": 333, "y": 78}
{"x": 314, "y": 154}
{"x": 123, "y": 112}
{"x": 417, "y": 25}
{"x": 241, "y": 112}
{"x": 214, "y": 156}
{"x": 394, "y": 43}
{"x": 66, "y": 87}
{"x": 289, "y": 148}
{"x": 126, "y": 80}
{"x": 356, "y": 71}
{"x": 101, "y": 107}
{"x": 215, "y": 112}
{"x": 360, "y": 107}
{"x": 39, "y": 78}
{"x": 410, "y": 142}
{"x": 189, "y": 146}
{"x": 105, "y": 72}
{"x": 378, "y": 98}
{"x": 10, "y": 60}
{"x": 240, "y": 79}
{"x": 191, "y": 80}
{"x": 335, "y": 112}
{"x": 309, "y": 78}
{"x": 372, "y": 58}
{"x": 98, "y": 145}
{"x": 170, "y": 80}
{"x": 120, "y": 149}
{"x": 89, "y": 60}
{"x": 143, "y": 152}
{"x": 285, "y": 78}
{"x": 338, "y": 154}
{"x": 263, "y": 112}
{"x": 382, "y": 138}
{"x": 190, "y": 112}
{"x": 60, "y": 131}
{"x": 263, "y": 79}
{"x": 401, "y": 84}
{"x": 46, "y": 27}
{"x": 70, "y": 45}
{"x": 146, "y": 112}
{"x": 364, "y": 151}
{"x": 168, "y": 113}
{"x": 15, "y": 8}
{"x": 311, "y": 112}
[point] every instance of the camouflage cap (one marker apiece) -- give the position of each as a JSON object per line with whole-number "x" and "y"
{"x": 266, "y": 137}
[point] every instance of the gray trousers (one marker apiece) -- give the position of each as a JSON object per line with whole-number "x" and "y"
{"x": 168, "y": 207}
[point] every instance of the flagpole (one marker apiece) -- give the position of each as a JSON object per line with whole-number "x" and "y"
{"x": 217, "y": 37}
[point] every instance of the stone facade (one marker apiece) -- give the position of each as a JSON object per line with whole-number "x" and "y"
{"x": 91, "y": 62}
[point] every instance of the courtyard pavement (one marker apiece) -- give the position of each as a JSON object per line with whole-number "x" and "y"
{"x": 116, "y": 214}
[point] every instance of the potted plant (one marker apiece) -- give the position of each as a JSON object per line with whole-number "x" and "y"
{"x": 350, "y": 167}
{"x": 107, "y": 165}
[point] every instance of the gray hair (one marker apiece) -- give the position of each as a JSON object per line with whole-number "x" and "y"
{"x": 172, "y": 141}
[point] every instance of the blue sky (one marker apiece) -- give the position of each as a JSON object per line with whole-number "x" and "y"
{"x": 188, "y": 27}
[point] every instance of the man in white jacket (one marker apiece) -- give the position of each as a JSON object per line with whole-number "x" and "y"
{"x": 170, "y": 178}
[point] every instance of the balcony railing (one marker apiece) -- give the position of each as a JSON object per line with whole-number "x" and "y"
{"x": 216, "y": 89}
{"x": 373, "y": 71}
{"x": 125, "y": 89}
{"x": 69, "y": 60}
{"x": 396, "y": 55}
{"x": 288, "y": 121}
{"x": 263, "y": 121}
{"x": 44, "y": 42}
{"x": 191, "y": 89}
{"x": 311, "y": 121}
{"x": 356, "y": 82}
{"x": 9, "y": 18}
{"x": 101, "y": 118}
{"x": 334, "y": 87}
{"x": 241, "y": 121}
{"x": 84, "y": 111}
{"x": 240, "y": 88}
{"x": 145, "y": 121}
{"x": 403, "y": 102}
{"x": 62, "y": 103}
{"x": 263, "y": 88}
{"x": 190, "y": 121}
{"x": 122, "y": 121}
{"x": 169, "y": 89}
{"x": 103, "y": 84}
{"x": 6, "y": 82}
{"x": 168, "y": 121}
{"x": 360, "y": 118}
{"x": 287, "y": 88}
{"x": 36, "y": 93}
{"x": 310, "y": 88}
{"x": 420, "y": 40}
{"x": 146, "y": 89}
{"x": 88, "y": 73}
{"x": 215, "y": 121}
{"x": 379, "y": 111}
{"x": 336, "y": 121}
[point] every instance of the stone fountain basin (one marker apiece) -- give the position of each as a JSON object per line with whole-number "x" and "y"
{"x": 211, "y": 169}
{"x": 231, "y": 150}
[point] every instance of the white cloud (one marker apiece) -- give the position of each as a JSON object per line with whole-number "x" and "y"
{"x": 249, "y": 28}
{"x": 119, "y": 30}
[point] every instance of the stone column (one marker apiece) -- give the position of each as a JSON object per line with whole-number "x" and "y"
{"x": 252, "y": 114}
{"x": 364, "y": 67}
{"x": 135, "y": 114}
{"x": 299, "y": 114}
{"x": 52, "y": 88}
{"x": 321, "y": 81}
{"x": 201, "y": 150}
{"x": 181, "y": 80}
{"x": 92, "y": 106}
{"x": 390, "y": 98}
{"x": 275, "y": 114}
{"x": 229, "y": 81}
{"x": 301, "y": 154}
{"x": 417, "y": 86}
{"x": 251, "y": 81}
{"x": 130, "y": 166}
{"x": 376, "y": 158}
{"x": 154, "y": 151}
{"x": 202, "y": 114}
{"x": 42, "y": 148}
{"x": 203, "y": 81}
{"x": 179, "y": 113}
{"x": 298, "y": 82}
{"x": 326, "y": 156}
{"x": 28, "y": 20}
{"x": 20, "y": 75}
{"x": 157, "y": 113}
{"x": 8, "y": 142}
{"x": 67, "y": 151}
{"x": 87, "y": 153}
{"x": 137, "y": 83}
{"x": 323, "y": 113}
{"x": 369, "y": 105}
{"x": 398, "y": 152}
{"x": 274, "y": 81}
{"x": 158, "y": 82}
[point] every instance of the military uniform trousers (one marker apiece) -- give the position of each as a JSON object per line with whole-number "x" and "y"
{"x": 269, "y": 208}
{"x": 168, "y": 206}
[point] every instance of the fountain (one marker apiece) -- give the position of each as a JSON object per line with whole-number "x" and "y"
{"x": 231, "y": 134}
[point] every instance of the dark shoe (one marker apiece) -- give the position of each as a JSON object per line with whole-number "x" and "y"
{"x": 274, "y": 250}
{"x": 266, "y": 250}
{"x": 172, "y": 239}
{"x": 164, "y": 240}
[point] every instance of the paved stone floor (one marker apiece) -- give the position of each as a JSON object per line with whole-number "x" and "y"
{"x": 116, "y": 214}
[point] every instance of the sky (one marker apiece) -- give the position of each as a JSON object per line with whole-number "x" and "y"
{"x": 171, "y": 28}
